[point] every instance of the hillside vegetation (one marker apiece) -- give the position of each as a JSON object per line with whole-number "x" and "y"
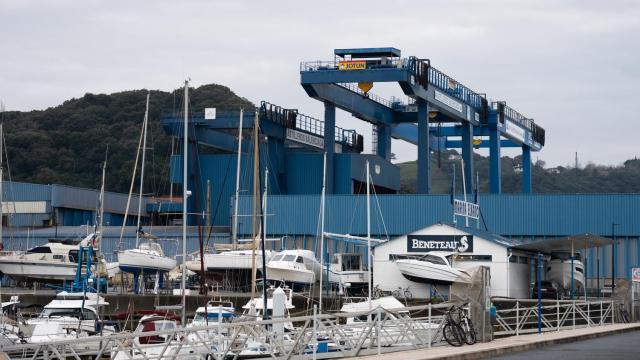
{"x": 66, "y": 144}
{"x": 588, "y": 179}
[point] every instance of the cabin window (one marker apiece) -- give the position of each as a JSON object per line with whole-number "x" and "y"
{"x": 289, "y": 258}
{"x": 434, "y": 260}
{"x": 299, "y": 260}
{"x": 58, "y": 257}
{"x": 73, "y": 255}
{"x": 350, "y": 262}
{"x": 277, "y": 258}
{"x": 40, "y": 250}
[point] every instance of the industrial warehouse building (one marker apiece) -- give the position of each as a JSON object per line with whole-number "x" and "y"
{"x": 27, "y": 205}
{"x": 519, "y": 218}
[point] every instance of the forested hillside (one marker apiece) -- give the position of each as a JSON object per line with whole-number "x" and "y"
{"x": 587, "y": 179}
{"x": 66, "y": 144}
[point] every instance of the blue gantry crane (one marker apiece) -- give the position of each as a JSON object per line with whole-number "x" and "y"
{"x": 435, "y": 98}
{"x": 439, "y": 113}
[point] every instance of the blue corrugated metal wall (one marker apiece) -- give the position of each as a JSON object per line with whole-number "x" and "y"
{"x": 19, "y": 191}
{"x": 518, "y": 216}
{"x": 528, "y": 215}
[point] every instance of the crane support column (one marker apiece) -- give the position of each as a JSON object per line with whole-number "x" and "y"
{"x": 329, "y": 141}
{"x": 424, "y": 153}
{"x": 384, "y": 142}
{"x": 495, "y": 171}
{"x": 467, "y": 155}
{"x": 526, "y": 170}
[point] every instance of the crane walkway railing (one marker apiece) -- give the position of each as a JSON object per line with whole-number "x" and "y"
{"x": 291, "y": 118}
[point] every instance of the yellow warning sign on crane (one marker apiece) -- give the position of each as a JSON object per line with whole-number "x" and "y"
{"x": 352, "y": 65}
{"x": 365, "y": 86}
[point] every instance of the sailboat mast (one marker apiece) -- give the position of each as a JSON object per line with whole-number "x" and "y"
{"x": 1, "y": 177}
{"x": 144, "y": 152}
{"x": 185, "y": 149}
{"x": 264, "y": 238}
{"x": 99, "y": 238}
{"x": 322, "y": 199}
{"x": 234, "y": 230}
{"x": 369, "y": 234}
{"x": 256, "y": 201}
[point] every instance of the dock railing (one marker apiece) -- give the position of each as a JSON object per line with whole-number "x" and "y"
{"x": 317, "y": 336}
{"x": 517, "y": 317}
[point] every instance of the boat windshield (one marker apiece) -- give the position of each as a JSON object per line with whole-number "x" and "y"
{"x": 426, "y": 258}
{"x": 40, "y": 250}
{"x": 434, "y": 259}
{"x": 289, "y": 258}
{"x": 277, "y": 257}
{"x": 71, "y": 312}
{"x": 213, "y": 317}
{"x": 153, "y": 246}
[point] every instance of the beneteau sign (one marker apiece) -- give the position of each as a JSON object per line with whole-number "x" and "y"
{"x": 426, "y": 243}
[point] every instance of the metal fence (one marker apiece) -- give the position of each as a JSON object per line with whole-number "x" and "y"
{"x": 318, "y": 336}
{"x": 516, "y": 317}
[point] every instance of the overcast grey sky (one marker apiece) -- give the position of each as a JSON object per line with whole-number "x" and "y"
{"x": 570, "y": 65}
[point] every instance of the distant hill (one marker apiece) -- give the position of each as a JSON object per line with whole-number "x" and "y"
{"x": 589, "y": 179}
{"x": 66, "y": 144}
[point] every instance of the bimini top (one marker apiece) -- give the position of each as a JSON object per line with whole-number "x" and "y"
{"x": 364, "y": 53}
{"x": 387, "y": 303}
{"x": 565, "y": 244}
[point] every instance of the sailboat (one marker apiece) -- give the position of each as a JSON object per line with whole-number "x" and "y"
{"x": 234, "y": 257}
{"x": 156, "y": 346}
{"x": 147, "y": 257}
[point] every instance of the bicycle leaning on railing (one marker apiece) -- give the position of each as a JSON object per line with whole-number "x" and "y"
{"x": 458, "y": 328}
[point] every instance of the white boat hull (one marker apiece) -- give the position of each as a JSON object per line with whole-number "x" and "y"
{"x": 134, "y": 261}
{"x": 228, "y": 260}
{"x": 348, "y": 277}
{"x": 34, "y": 270}
{"x": 290, "y": 275}
{"x": 425, "y": 272}
{"x": 559, "y": 271}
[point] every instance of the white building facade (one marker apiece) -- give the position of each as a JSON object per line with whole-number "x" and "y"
{"x": 510, "y": 270}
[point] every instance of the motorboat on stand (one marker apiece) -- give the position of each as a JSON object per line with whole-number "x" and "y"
{"x": 559, "y": 270}
{"x": 148, "y": 258}
{"x": 55, "y": 261}
{"x": 431, "y": 268}
{"x": 229, "y": 260}
{"x": 294, "y": 267}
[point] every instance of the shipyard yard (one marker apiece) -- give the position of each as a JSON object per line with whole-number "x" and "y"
{"x": 375, "y": 195}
